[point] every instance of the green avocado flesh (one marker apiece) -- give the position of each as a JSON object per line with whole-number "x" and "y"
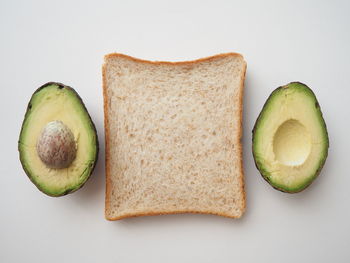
{"x": 290, "y": 139}
{"x": 56, "y": 112}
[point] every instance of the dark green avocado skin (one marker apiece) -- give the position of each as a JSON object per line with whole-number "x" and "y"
{"x": 260, "y": 168}
{"x": 29, "y": 106}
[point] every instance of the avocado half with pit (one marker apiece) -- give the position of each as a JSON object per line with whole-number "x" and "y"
{"x": 58, "y": 144}
{"x": 290, "y": 139}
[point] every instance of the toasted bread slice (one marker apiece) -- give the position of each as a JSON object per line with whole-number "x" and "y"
{"x": 172, "y": 134}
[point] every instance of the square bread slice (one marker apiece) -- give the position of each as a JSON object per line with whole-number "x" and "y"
{"x": 172, "y": 134}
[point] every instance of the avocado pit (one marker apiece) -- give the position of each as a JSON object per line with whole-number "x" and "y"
{"x": 56, "y": 145}
{"x": 292, "y": 143}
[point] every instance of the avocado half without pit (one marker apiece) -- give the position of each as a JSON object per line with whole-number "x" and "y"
{"x": 290, "y": 139}
{"x": 58, "y": 144}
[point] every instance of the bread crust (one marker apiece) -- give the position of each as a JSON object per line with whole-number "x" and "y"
{"x": 106, "y": 124}
{"x": 171, "y": 213}
{"x": 241, "y": 134}
{"x": 107, "y": 132}
{"x": 169, "y": 63}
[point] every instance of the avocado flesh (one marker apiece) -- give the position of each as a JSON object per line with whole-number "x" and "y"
{"x": 52, "y": 102}
{"x": 290, "y": 139}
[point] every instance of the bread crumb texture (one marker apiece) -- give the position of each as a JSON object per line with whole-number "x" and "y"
{"x": 173, "y": 132}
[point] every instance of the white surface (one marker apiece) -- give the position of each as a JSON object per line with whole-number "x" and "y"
{"x": 65, "y": 41}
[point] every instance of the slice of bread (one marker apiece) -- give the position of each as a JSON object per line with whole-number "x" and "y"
{"x": 172, "y": 133}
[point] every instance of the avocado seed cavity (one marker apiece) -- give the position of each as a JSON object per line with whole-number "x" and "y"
{"x": 56, "y": 146}
{"x": 292, "y": 143}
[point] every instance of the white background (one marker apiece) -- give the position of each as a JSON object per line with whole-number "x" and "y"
{"x": 281, "y": 41}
